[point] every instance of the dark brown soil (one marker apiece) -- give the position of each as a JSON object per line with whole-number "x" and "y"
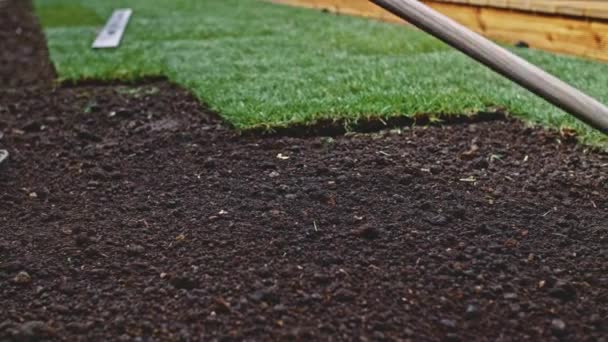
{"x": 131, "y": 213}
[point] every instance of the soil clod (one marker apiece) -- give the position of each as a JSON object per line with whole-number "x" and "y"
{"x": 184, "y": 281}
{"x": 367, "y": 232}
{"x": 563, "y": 290}
{"x": 22, "y": 278}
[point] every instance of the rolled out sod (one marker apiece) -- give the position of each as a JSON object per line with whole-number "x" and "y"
{"x": 265, "y": 65}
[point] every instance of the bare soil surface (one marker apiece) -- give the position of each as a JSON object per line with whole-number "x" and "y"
{"x": 133, "y": 213}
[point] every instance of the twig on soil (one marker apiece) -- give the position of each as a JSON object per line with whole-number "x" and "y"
{"x": 343, "y": 271}
{"x": 314, "y": 223}
{"x": 548, "y": 212}
{"x": 560, "y": 235}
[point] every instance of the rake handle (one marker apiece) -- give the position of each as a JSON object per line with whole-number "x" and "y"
{"x": 502, "y": 61}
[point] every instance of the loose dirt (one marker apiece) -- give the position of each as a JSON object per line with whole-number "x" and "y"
{"x": 133, "y": 213}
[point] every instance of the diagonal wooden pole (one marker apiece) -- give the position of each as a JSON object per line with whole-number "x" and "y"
{"x": 502, "y": 61}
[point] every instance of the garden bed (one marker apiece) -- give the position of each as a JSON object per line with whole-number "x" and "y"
{"x": 133, "y": 211}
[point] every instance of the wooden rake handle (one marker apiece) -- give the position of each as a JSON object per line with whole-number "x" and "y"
{"x": 502, "y": 61}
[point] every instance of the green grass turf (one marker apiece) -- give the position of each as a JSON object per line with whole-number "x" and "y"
{"x": 267, "y": 65}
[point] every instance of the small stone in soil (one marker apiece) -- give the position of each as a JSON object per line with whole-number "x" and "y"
{"x": 3, "y": 156}
{"x": 279, "y": 308}
{"x": 448, "y": 323}
{"x": 558, "y": 326}
{"x": 472, "y": 311}
{"x": 134, "y": 250}
{"x": 22, "y": 278}
{"x": 438, "y": 220}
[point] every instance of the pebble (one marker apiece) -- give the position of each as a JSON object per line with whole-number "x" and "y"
{"x": 135, "y": 250}
{"x": 558, "y": 326}
{"x": 3, "y": 156}
{"x": 279, "y": 308}
{"x": 438, "y": 220}
{"x": 448, "y": 323}
{"x": 472, "y": 311}
{"x": 515, "y": 307}
{"x": 22, "y": 278}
